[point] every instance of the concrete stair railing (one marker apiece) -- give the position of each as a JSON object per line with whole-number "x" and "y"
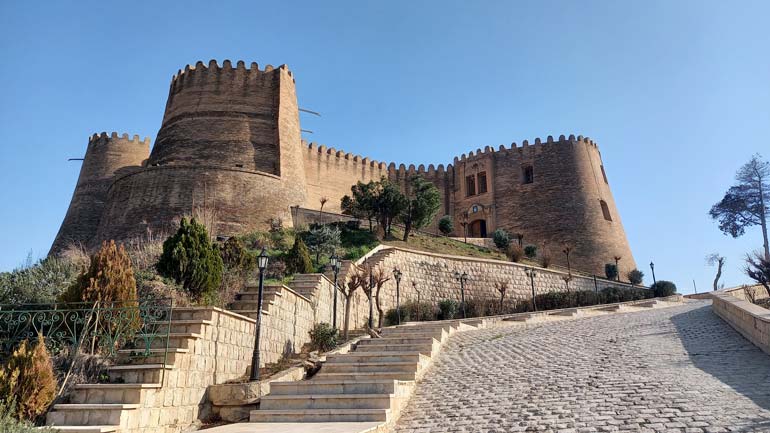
{"x": 120, "y": 404}
{"x": 370, "y": 384}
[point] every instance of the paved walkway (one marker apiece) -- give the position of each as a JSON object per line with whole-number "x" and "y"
{"x": 677, "y": 369}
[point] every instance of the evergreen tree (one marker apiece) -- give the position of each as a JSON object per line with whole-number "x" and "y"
{"x": 108, "y": 280}
{"x": 28, "y": 379}
{"x": 298, "y": 259}
{"x": 421, "y": 204}
{"x": 191, "y": 259}
{"x": 445, "y": 225}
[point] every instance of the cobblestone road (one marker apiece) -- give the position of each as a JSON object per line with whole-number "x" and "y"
{"x": 676, "y": 369}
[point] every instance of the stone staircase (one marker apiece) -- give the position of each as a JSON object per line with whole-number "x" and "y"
{"x": 370, "y": 384}
{"x": 141, "y": 390}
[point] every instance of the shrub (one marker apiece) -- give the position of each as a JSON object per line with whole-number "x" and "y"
{"x": 276, "y": 269}
{"x": 322, "y": 239}
{"x": 530, "y": 251}
{"x": 409, "y": 313}
{"x": 545, "y": 258}
{"x": 236, "y": 256}
{"x": 9, "y": 423}
{"x": 356, "y": 253}
{"x": 635, "y": 276}
{"x": 448, "y": 309}
{"x": 40, "y": 282}
{"x": 189, "y": 258}
{"x": 611, "y": 271}
{"x": 109, "y": 278}
{"x": 502, "y": 239}
{"x": 663, "y": 288}
{"x": 27, "y": 378}
{"x": 323, "y": 337}
{"x": 298, "y": 258}
{"x": 515, "y": 252}
{"x": 445, "y": 225}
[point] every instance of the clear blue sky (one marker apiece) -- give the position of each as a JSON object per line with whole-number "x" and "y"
{"x": 677, "y": 94}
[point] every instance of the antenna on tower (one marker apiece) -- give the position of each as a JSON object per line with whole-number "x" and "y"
{"x": 75, "y": 159}
{"x": 310, "y": 111}
{"x": 306, "y": 130}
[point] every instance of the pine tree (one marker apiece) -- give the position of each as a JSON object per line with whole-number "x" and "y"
{"x": 108, "y": 280}
{"x": 28, "y": 379}
{"x": 298, "y": 259}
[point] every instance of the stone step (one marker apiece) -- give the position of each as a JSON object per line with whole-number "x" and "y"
{"x": 387, "y": 341}
{"x": 320, "y": 386}
{"x": 74, "y": 414}
{"x": 254, "y": 297}
{"x": 364, "y": 357}
{"x": 180, "y": 340}
{"x": 612, "y": 308}
{"x": 320, "y": 415}
{"x": 572, "y": 312}
{"x": 425, "y": 349}
{"x": 192, "y": 313}
{"x": 138, "y": 373}
{"x": 323, "y": 376}
{"x": 650, "y": 304}
{"x": 111, "y": 393}
{"x": 85, "y": 428}
{"x": 194, "y": 326}
{"x": 326, "y": 401}
{"x": 370, "y": 367}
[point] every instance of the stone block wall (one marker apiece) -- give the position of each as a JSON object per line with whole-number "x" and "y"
{"x": 751, "y": 321}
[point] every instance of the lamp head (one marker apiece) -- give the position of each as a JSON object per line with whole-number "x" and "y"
{"x": 262, "y": 260}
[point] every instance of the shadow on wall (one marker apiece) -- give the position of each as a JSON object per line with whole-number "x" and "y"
{"x": 717, "y": 349}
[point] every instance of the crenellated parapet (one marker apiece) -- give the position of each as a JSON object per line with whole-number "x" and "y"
{"x": 199, "y": 73}
{"x": 114, "y": 137}
{"x": 526, "y": 147}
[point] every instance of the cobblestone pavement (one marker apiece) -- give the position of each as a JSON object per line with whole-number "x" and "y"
{"x": 676, "y": 369}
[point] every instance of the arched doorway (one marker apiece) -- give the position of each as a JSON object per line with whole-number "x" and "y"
{"x": 477, "y": 229}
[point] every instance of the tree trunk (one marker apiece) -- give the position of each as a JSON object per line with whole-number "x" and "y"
{"x": 719, "y": 274}
{"x": 347, "y": 318}
{"x": 407, "y": 229}
{"x": 379, "y": 309}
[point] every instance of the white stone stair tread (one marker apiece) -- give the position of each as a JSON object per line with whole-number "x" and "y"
{"x": 322, "y": 411}
{"x": 357, "y": 354}
{"x": 117, "y": 385}
{"x": 84, "y": 428}
{"x": 172, "y": 335}
{"x": 141, "y": 367}
{"x": 323, "y": 396}
{"x": 169, "y": 350}
{"x": 95, "y": 406}
{"x": 183, "y": 322}
{"x": 297, "y": 427}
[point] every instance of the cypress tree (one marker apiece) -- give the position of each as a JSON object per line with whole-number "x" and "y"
{"x": 191, "y": 259}
{"x": 298, "y": 259}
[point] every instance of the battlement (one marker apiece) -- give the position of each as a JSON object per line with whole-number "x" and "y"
{"x": 114, "y": 136}
{"x": 238, "y": 73}
{"x": 526, "y": 146}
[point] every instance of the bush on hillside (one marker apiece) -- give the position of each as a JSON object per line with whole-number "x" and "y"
{"x": 28, "y": 379}
{"x": 448, "y": 309}
{"x": 445, "y": 225}
{"x": 515, "y": 252}
{"x": 611, "y": 271}
{"x": 322, "y": 240}
{"x": 545, "y": 257}
{"x": 9, "y": 423}
{"x": 298, "y": 259}
{"x": 663, "y": 288}
{"x": 635, "y": 276}
{"x": 502, "y": 239}
{"x": 410, "y": 313}
{"x": 236, "y": 256}
{"x": 40, "y": 282}
{"x": 530, "y": 251}
{"x": 109, "y": 279}
{"x": 192, "y": 260}
{"x": 323, "y": 337}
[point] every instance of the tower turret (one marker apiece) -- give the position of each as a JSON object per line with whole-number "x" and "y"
{"x": 107, "y": 156}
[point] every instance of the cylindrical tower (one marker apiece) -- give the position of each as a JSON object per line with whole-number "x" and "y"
{"x": 107, "y": 156}
{"x": 556, "y": 193}
{"x": 228, "y": 150}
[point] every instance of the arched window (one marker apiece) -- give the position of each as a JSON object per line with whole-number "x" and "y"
{"x": 528, "y": 174}
{"x": 605, "y": 210}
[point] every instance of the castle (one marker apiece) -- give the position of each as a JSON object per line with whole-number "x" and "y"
{"x": 231, "y": 139}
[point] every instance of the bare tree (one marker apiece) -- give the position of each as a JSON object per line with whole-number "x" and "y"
{"x": 567, "y": 250}
{"x": 751, "y": 293}
{"x": 501, "y": 288}
{"x": 758, "y": 269}
{"x": 356, "y": 280}
{"x": 323, "y": 201}
{"x": 715, "y": 259}
{"x": 379, "y": 278}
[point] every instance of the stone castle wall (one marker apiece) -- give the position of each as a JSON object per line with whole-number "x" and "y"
{"x": 230, "y": 145}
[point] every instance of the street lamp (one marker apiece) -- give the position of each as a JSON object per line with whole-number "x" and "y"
{"x": 335, "y": 262}
{"x": 397, "y": 276}
{"x": 462, "y": 278}
{"x": 414, "y": 286}
{"x": 262, "y": 260}
{"x": 652, "y": 267}
{"x": 532, "y": 274}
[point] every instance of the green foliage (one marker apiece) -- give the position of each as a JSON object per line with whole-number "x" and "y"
{"x": 421, "y": 205}
{"x": 40, "y": 282}
{"x": 190, "y": 258}
{"x": 502, "y": 239}
{"x": 356, "y": 253}
{"x": 298, "y": 258}
{"x": 611, "y": 271}
{"x": 9, "y": 423}
{"x": 746, "y": 203}
{"x": 322, "y": 239}
{"x": 323, "y": 337}
{"x": 236, "y": 256}
{"x": 663, "y": 288}
{"x": 390, "y": 203}
{"x": 530, "y": 251}
{"x": 448, "y": 309}
{"x": 635, "y": 276}
{"x": 28, "y": 379}
{"x": 362, "y": 201}
{"x": 109, "y": 278}
{"x": 445, "y": 225}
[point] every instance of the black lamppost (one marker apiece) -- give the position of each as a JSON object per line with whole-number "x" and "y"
{"x": 652, "y": 267}
{"x": 462, "y": 278}
{"x": 531, "y": 274}
{"x": 397, "y": 276}
{"x": 414, "y": 286}
{"x": 335, "y": 262}
{"x": 262, "y": 260}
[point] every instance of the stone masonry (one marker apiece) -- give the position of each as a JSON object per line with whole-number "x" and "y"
{"x": 230, "y": 145}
